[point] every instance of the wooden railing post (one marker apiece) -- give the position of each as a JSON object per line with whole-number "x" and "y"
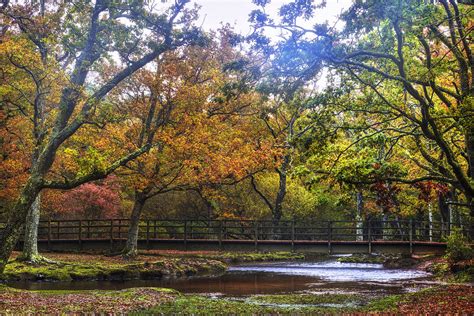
{"x": 111, "y": 232}
{"x": 120, "y": 229}
{"x": 49, "y": 234}
{"x": 220, "y": 235}
{"x": 369, "y": 235}
{"x": 80, "y": 234}
{"x": 329, "y": 236}
{"x": 410, "y": 235}
{"x": 293, "y": 235}
{"x": 147, "y": 234}
{"x": 88, "y": 229}
{"x": 225, "y": 229}
{"x": 256, "y": 235}
{"x": 185, "y": 236}
{"x": 154, "y": 230}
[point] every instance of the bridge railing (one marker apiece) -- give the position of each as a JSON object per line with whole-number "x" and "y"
{"x": 229, "y": 229}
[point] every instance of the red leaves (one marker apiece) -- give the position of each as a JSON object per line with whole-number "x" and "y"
{"x": 428, "y": 187}
{"x": 81, "y": 302}
{"x": 92, "y": 200}
{"x": 386, "y": 194}
{"x": 452, "y": 300}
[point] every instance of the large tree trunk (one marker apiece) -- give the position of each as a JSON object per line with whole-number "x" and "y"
{"x": 131, "y": 246}
{"x": 30, "y": 242}
{"x": 16, "y": 219}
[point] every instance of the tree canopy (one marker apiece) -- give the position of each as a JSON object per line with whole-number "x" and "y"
{"x": 128, "y": 108}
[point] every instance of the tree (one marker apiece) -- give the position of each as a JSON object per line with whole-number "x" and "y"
{"x": 421, "y": 70}
{"x": 85, "y": 35}
{"x": 99, "y": 199}
{"x": 208, "y": 137}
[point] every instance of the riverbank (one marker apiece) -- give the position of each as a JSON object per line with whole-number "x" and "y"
{"x": 453, "y": 299}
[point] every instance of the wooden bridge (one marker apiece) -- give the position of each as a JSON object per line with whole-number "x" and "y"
{"x": 245, "y": 235}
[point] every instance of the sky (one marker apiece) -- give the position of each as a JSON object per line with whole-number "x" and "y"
{"x": 214, "y": 13}
{"x": 235, "y": 12}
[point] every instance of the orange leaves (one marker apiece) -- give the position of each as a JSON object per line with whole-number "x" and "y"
{"x": 206, "y": 140}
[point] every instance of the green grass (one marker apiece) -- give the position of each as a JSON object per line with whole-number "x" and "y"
{"x": 385, "y": 304}
{"x": 306, "y": 299}
{"x": 67, "y": 271}
{"x": 198, "y": 305}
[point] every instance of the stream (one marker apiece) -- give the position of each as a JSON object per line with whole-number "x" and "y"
{"x": 329, "y": 276}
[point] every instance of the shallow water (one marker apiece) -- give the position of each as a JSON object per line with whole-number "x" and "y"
{"x": 272, "y": 278}
{"x": 335, "y": 271}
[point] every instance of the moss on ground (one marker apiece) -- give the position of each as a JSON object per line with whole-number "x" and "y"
{"x": 67, "y": 271}
{"x": 385, "y": 304}
{"x": 308, "y": 299}
{"x": 198, "y": 305}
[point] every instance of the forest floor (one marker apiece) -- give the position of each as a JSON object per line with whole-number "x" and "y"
{"x": 452, "y": 299}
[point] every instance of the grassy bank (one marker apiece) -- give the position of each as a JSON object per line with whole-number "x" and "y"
{"x": 455, "y": 299}
{"x": 67, "y": 267}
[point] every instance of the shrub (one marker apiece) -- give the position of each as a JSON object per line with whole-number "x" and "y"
{"x": 458, "y": 247}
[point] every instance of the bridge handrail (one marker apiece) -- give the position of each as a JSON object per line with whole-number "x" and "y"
{"x": 221, "y": 229}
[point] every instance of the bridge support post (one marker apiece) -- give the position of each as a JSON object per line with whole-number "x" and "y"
{"x": 111, "y": 233}
{"x": 293, "y": 235}
{"x": 49, "y": 234}
{"x": 369, "y": 236}
{"x": 329, "y": 237}
{"x": 80, "y": 234}
{"x": 147, "y": 234}
{"x": 185, "y": 235}
{"x": 220, "y": 236}
{"x": 410, "y": 235}
{"x": 256, "y": 236}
